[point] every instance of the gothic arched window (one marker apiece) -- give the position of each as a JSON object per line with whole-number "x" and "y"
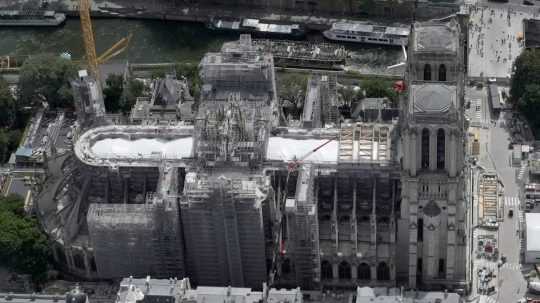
{"x": 344, "y": 271}
{"x": 363, "y": 272}
{"x": 440, "y": 148}
{"x": 442, "y": 72}
{"x": 326, "y": 270}
{"x": 427, "y": 72}
{"x": 425, "y": 148}
{"x": 383, "y": 272}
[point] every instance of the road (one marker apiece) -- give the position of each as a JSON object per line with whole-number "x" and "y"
{"x": 493, "y": 43}
{"x": 511, "y": 284}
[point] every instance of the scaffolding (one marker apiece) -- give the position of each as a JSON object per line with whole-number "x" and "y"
{"x": 224, "y": 227}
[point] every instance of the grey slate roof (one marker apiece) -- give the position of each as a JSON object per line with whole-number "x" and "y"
{"x": 435, "y": 37}
{"x": 432, "y": 98}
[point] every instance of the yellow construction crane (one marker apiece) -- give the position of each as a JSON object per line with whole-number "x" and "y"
{"x": 89, "y": 44}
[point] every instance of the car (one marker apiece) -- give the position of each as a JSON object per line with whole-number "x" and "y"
{"x": 510, "y": 213}
{"x": 527, "y": 2}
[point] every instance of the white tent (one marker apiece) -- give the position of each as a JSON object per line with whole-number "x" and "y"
{"x": 532, "y": 249}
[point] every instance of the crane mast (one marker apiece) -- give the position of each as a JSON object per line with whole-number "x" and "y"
{"x": 88, "y": 38}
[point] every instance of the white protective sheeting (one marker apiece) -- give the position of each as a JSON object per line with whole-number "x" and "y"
{"x": 118, "y": 147}
{"x": 286, "y": 149}
{"x": 532, "y": 253}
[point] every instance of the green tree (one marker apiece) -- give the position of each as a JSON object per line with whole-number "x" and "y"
{"x": 113, "y": 93}
{"x": 526, "y": 71}
{"x": 47, "y": 78}
{"x": 378, "y": 88}
{"x": 134, "y": 89}
{"x": 191, "y": 72}
{"x": 23, "y": 246}
{"x": 4, "y": 150}
{"x": 525, "y": 86}
{"x": 292, "y": 87}
{"x": 8, "y": 110}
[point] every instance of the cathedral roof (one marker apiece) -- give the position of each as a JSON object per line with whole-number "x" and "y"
{"x": 432, "y": 98}
{"x": 436, "y": 37}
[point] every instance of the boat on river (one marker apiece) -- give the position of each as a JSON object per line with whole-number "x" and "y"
{"x": 367, "y": 33}
{"x": 258, "y": 28}
{"x": 31, "y": 18}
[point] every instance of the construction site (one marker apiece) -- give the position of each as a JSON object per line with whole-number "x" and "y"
{"x": 228, "y": 193}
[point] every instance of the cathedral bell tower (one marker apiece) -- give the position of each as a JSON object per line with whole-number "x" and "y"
{"x": 432, "y": 215}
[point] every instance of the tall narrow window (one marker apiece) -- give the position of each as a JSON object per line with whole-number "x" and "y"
{"x": 427, "y": 72}
{"x": 364, "y": 272}
{"x": 440, "y": 148}
{"x": 442, "y": 72}
{"x": 425, "y": 148}
{"x": 383, "y": 272}
{"x": 420, "y": 230}
{"x": 442, "y": 268}
{"x": 326, "y": 270}
{"x": 344, "y": 270}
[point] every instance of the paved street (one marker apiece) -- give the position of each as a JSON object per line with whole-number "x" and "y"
{"x": 509, "y": 282}
{"x": 478, "y": 111}
{"x": 493, "y": 31}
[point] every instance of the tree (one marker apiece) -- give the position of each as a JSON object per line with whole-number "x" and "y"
{"x": 23, "y": 246}
{"x": 47, "y": 78}
{"x": 526, "y": 71}
{"x": 191, "y": 72}
{"x": 378, "y": 88}
{"x": 134, "y": 89}
{"x": 293, "y": 87}
{"x": 348, "y": 94}
{"x": 8, "y": 111}
{"x": 525, "y": 86}
{"x": 113, "y": 92}
{"x": 4, "y": 142}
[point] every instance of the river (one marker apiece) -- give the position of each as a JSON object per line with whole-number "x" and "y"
{"x": 154, "y": 41}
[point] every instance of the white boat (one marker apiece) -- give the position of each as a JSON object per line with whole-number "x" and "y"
{"x": 367, "y": 33}
{"x": 31, "y": 18}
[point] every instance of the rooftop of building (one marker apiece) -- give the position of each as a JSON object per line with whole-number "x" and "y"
{"x": 352, "y": 143}
{"x": 134, "y": 145}
{"x": 432, "y": 98}
{"x": 391, "y": 295}
{"x": 531, "y": 29}
{"x": 238, "y": 53}
{"x": 135, "y": 290}
{"x": 532, "y": 222}
{"x": 436, "y": 36}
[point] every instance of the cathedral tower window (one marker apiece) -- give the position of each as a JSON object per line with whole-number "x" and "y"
{"x": 383, "y": 272}
{"x": 326, "y": 270}
{"x": 442, "y": 72}
{"x": 425, "y": 148}
{"x": 364, "y": 272}
{"x": 440, "y": 148}
{"x": 427, "y": 72}
{"x": 344, "y": 271}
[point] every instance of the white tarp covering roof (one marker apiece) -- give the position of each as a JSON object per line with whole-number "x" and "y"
{"x": 286, "y": 149}
{"x": 532, "y": 220}
{"x": 178, "y": 148}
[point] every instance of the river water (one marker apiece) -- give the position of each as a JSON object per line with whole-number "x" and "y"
{"x": 155, "y": 41}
